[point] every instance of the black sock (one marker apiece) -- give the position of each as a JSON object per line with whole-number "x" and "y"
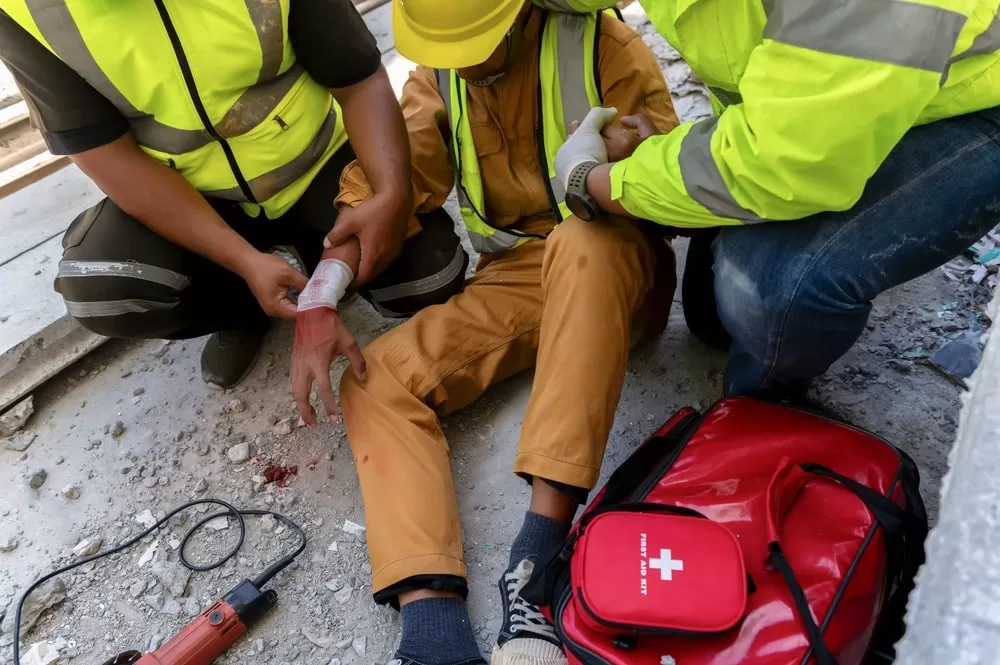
{"x": 437, "y": 631}
{"x": 537, "y": 535}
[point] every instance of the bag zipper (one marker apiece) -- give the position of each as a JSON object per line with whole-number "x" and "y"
{"x": 637, "y": 631}
{"x": 185, "y": 67}
{"x": 583, "y": 655}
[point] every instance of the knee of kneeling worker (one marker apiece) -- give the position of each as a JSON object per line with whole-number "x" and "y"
{"x": 113, "y": 307}
{"x": 754, "y": 305}
{"x": 429, "y": 270}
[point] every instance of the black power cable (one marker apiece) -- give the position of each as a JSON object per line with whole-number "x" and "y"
{"x": 230, "y": 510}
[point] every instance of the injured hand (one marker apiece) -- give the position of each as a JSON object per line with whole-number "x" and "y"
{"x": 320, "y": 335}
{"x": 320, "y": 338}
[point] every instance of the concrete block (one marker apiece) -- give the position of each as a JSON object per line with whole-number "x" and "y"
{"x": 954, "y": 613}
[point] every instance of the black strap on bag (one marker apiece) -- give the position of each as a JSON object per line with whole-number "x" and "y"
{"x": 907, "y": 561}
{"x": 905, "y": 532}
{"x": 638, "y": 466}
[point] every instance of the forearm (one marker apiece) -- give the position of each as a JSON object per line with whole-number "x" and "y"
{"x": 599, "y": 186}
{"x": 348, "y": 252}
{"x": 162, "y": 200}
{"x": 377, "y": 132}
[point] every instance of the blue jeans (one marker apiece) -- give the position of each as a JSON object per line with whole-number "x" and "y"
{"x": 795, "y": 296}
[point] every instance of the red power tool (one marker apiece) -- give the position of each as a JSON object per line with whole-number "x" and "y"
{"x": 209, "y": 635}
{"x": 213, "y": 632}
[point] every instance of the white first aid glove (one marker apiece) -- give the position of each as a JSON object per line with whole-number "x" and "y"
{"x": 585, "y": 144}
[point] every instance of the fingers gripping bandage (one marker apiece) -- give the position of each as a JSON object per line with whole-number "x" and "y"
{"x": 327, "y": 286}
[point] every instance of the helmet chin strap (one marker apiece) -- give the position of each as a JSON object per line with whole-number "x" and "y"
{"x": 502, "y": 70}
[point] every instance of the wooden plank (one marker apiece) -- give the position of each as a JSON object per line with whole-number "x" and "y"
{"x": 14, "y": 115}
{"x": 17, "y": 178}
{"x": 37, "y": 337}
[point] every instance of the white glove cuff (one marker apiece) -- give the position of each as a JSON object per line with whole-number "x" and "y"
{"x": 327, "y": 286}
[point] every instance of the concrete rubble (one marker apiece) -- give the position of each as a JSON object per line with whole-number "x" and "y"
{"x": 14, "y": 419}
{"x": 144, "y": 435}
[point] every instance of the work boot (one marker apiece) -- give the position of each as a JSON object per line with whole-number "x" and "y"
{"x": 698, "y": 293}
{"x": 526, "y": 636}
{"x": 229, "y": 355}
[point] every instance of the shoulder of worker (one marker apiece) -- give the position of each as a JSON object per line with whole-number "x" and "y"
{"x": 631, "y": 77}
{"x": 421, "y": 88}
{"x": 617, "y": 34}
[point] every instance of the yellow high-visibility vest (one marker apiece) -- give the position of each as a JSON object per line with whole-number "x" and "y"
{"x": 211, "y": 89}
{"x": 569, "y": 87}
{"x": 811, "y": 97}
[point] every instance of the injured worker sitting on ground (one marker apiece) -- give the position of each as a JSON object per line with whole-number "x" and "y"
{"x": 550, "y": 291}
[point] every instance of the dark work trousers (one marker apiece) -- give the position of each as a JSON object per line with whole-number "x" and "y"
{"x": 120, "y": 279}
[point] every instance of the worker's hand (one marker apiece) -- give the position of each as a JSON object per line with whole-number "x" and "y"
{"x": 380, "y": 227}
{"x": 320, "y": 338}
{"x": 620, "y": 142}
{"x": 270, "y": 277}
{"x": 585, "y": 144}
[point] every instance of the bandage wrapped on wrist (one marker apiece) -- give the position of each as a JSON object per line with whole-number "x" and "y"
{"x": 327, "y": 286}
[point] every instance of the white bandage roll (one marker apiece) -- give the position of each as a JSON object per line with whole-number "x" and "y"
{"x": 327, "y": 286}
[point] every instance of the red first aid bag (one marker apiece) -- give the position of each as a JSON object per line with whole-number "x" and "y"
{"x": 756, "y": 534}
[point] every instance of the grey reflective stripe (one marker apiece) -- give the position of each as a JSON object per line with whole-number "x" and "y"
{"x": 130, "y": 269}
{"x": 499, "y": 241}
{"x": 988, "y": 42}
{"x": 56, "y": 24}
{"x": 256, "y": 103}
{"x": 86, "y": 310}
{"x": 726, "y": 97}
{"x": 444, "y": 89}
{"x": 570, "y": 30}
{"x": 429, "y": 284}
{"x": 154, "y": 134}
{"x": 267, "y": 185}
{"x": 701, "y": 174}
{"x": 269, "y": 23}
{"x": 890, "y": 31}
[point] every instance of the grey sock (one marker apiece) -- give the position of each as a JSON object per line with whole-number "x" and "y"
{"x": 437, "y": 631}
{"x": 537, "y": 535}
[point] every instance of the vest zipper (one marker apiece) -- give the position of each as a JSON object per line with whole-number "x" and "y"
{"x": 182, "y": 61}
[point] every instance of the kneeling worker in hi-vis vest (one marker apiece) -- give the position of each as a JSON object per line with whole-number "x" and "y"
{"x": 856, "y": 146}
{"x": 550, "y": 291}
{"x": 218, "y": 130}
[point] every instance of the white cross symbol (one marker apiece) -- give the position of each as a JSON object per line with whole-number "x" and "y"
{"x": 666, "y": 564}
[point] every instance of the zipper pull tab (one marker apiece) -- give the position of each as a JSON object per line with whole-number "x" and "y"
{"x": 281, "y": 123}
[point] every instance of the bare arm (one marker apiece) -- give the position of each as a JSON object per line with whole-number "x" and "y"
{"x": 168, "y": 205}
{"x": 375, "y": 125}
{"x": 164, "y": 201}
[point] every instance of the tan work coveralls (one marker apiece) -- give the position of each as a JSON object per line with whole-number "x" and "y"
{"x": 566, "y": 303}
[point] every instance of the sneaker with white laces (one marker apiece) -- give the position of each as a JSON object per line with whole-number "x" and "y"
{"x": 526, "y": 636}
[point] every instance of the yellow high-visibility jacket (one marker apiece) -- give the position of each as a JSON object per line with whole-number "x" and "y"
{"x": 811, "y": 96}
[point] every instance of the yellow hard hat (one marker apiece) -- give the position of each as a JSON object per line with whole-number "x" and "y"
{"x": 449, "y": 34}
